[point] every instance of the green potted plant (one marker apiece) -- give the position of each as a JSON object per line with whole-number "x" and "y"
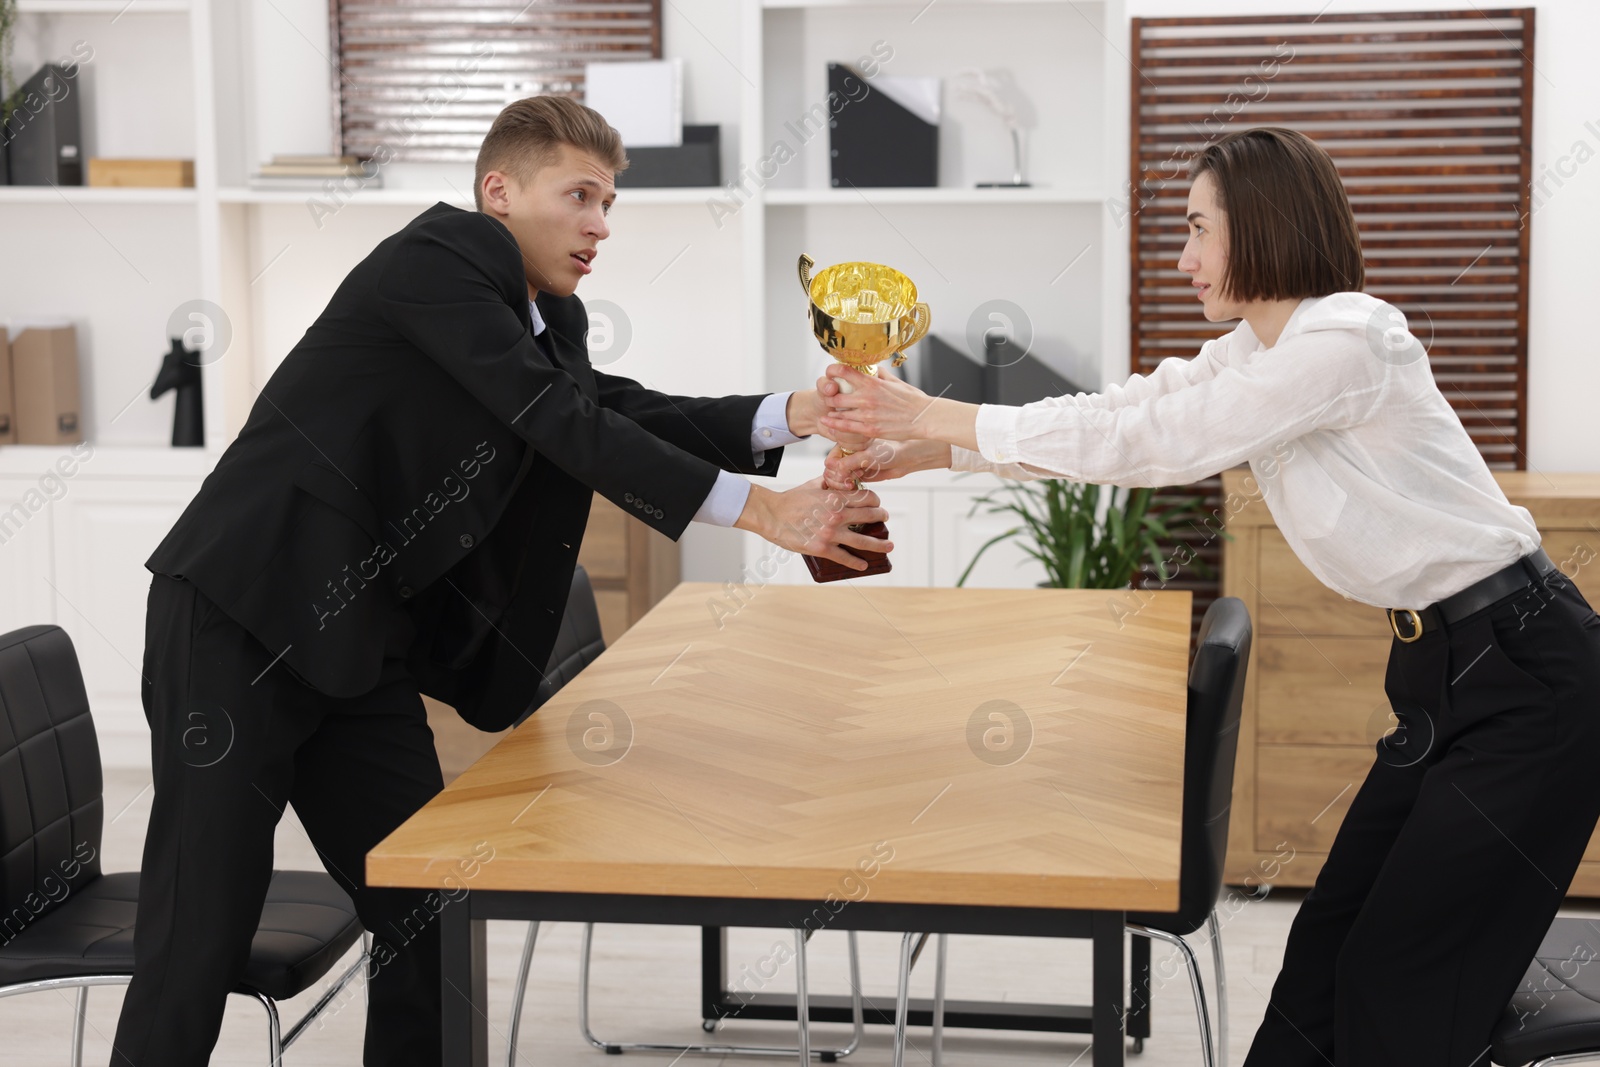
{"x": 1083, "y": 545}
{"x": 8, "y": 84}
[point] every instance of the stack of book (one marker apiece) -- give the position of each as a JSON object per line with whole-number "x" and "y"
{"x": 315, "y": 172}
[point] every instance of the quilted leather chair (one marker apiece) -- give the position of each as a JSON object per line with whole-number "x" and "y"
{"x": 1554, "y": 1016}
{"x": 63, "y": 923}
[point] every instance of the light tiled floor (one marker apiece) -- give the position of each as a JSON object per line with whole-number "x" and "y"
{"x": 646, "y": 985}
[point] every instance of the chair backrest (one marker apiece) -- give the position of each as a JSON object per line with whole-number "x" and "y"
{"x": 1216, "y": 696}
{"x": 51, "y": 812}
{"x": 577, "y": 645}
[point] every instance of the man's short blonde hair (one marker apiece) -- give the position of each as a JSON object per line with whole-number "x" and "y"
{"x": 528, "y": 133}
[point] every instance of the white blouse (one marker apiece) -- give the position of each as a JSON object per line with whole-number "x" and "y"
{"x": 1364, "y": 465}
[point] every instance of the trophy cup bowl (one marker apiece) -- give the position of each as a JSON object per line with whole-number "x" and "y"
{"x": 861, "y": 314}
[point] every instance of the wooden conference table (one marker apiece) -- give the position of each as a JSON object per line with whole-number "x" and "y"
{"x": 976, "y": 761}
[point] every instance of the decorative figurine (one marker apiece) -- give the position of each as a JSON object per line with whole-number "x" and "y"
{"x": 188, "y": 417}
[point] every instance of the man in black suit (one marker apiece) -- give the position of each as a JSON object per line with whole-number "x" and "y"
{"x": 401, "y": 514}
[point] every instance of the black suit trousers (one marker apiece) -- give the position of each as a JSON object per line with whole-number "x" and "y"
{"x": 1458, "y": 848}
{"x": 235, "y": 737}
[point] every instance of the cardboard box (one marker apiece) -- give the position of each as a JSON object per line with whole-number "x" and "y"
{"x": 8, "y": 421}
{"x": 44, "y": 378}
{"x": 142, "y": 173}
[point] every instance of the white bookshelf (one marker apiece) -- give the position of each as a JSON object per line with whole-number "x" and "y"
{"x": 1048, "y": 248}
{"x": 114, "y": 8}
{"x": 428, "y": 196}
{"x": 79, "y": 194}
{"x": 947, "y": 197}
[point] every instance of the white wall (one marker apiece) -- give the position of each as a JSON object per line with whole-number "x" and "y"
{"x": 1563, "y": 375}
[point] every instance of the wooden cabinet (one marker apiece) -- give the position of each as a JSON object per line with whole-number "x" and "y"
{"x": 1314, "y": 706}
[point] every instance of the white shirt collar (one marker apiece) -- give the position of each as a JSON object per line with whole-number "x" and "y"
{"x": 538, "y": 323}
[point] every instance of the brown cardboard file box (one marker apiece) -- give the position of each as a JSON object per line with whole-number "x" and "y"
{"x": 142, "y": 173}
{"x": 44, "y": 377}
{"x": 8, "y": 420}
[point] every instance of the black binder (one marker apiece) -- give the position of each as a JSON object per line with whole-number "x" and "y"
{"x": 1004, "y": 377}
{"x": 1009, "y": 378}
{"x": 948, "y": 372}
{"x": 42, "y": 133}
{"x": 696, "y": 162}
{"x": 875, "y": 142}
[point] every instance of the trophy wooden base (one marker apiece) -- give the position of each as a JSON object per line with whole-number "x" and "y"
{"x": 827, "y": 570}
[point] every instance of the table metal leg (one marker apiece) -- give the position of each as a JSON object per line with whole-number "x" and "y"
{"x": 465, "y": 994}
{"x": 1107, "y": 927}
{"x": 1139, "y": 992}
{"x": 713, "y": 975}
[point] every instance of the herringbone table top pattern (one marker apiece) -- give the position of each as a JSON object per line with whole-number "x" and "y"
{"x": 1018, "y": 748}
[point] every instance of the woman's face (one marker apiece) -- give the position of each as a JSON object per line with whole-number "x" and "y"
{"x": 1205, "y": 256}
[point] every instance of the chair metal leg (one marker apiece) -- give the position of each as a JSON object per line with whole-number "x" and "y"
{"x": 359, "y": 966}
{"x": 519, "y": 992}
{"x": 857, "y": 1013}
{"x": 943, "y": 943}
{"x": 80, "y": 1012}
{"x": 1215, "y": 929}
{"x": 274, "y": 1032}
{"x": 1565, "y": 1059}
{"x": 902, "y": 995}
{"x": 1196, "y": 983}
{"x": 856, "y": 1016}
{"x": 276, "y": 1041}
{"x": 802, "y": 998}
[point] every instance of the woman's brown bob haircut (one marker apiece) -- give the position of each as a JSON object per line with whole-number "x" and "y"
{"x": 1291, "y": 233}
{"x": 528, "y": 133}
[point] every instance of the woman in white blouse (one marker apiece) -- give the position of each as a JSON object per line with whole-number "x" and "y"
{"x": 1459, "y": 846}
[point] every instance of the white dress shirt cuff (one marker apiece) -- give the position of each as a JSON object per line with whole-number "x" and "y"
{"x": 964, "y": 459}
{"x": 996, "y": 430}
{"x": 725, "y": 503}
{"x": 770, "y": 427}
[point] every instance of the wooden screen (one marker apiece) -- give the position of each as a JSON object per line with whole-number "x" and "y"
{"x": 421, "y": 80}
{"x": 1428, "y": 116}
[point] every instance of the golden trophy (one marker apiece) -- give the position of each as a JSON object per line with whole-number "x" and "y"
{"x": 861, "y": 315}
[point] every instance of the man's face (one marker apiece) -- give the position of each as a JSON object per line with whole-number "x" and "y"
{"x": 558, "y": 217}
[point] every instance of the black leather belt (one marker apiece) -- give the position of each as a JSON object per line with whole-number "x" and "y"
{"x": 1530, "y": 569}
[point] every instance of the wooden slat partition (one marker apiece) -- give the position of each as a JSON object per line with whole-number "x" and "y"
{"x": 421, "y": 80}
{"x": 1428, "y": 116}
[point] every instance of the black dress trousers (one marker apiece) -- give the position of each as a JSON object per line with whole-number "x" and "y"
{"x": 234, "y": 737}
{"x": 1458, "y": 848}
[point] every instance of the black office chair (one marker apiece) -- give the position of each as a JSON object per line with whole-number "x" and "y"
{"x": 65, "y": 924}
{"x": 1554, "y": 1016}
{"x": 579, "y": 643}
{"x": 1216, "y": 695}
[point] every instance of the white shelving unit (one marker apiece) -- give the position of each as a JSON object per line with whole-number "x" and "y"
{"x": 102, "y": 7}
{"x": 711, "y": 296}
{"x": 76, "y": 194}
{"x": 950, "y": 197}
{"x": 1047, "y": 248}
{"x": 79, "y": 521}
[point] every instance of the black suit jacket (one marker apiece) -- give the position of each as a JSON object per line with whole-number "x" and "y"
{"x": 415, "y": 478}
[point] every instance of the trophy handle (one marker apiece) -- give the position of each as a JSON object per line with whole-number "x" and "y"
{"x": 913, "y": 328}
{"x": 806, "y": 263}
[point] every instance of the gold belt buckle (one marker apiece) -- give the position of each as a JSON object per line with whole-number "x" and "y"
{"x": 1416, "y": 625}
